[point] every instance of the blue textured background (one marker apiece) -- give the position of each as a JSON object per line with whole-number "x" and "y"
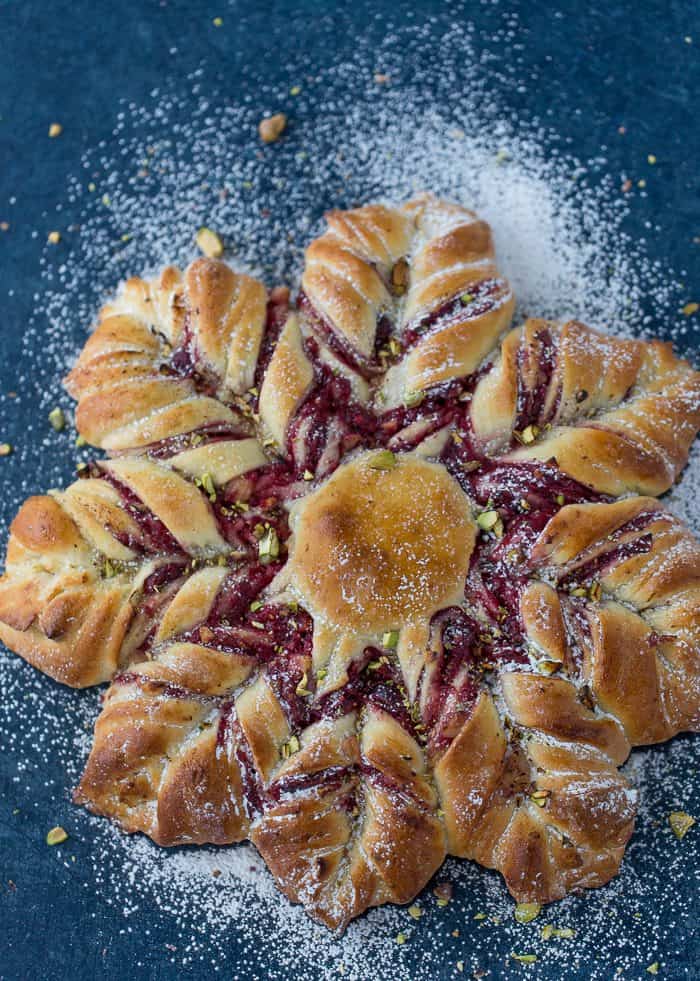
{"x": 592, "y": 66}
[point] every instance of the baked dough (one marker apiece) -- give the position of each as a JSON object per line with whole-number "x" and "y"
{"x": 368, "y": 578}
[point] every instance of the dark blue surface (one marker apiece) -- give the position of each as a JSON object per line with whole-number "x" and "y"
{"x": 588, "y": 71}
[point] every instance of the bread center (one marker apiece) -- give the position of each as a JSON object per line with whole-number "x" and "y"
{"x": 384, "y": 542}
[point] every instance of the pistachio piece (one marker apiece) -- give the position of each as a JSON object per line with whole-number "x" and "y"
{"x": 56, "y": 835}
{"x": 384, "y": 460}
{"x": 57, "y": 419}
{"x": 209, "y": 243}
{"x": 526, "y": 912}
{"x": 681, "y": 823}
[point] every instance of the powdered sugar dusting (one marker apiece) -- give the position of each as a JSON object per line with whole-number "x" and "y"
{"x": 182, "y": 161}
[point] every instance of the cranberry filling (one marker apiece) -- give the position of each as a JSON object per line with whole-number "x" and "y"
{"x": 166, "y": 448}
{"x": 438, "y": 407}
{"x": 373, "y": 680}
{"x": 163, "y": 576}
{"x": 240, "y": 588}
{"x": 530, "y": 401}
{"x": 606, "y": 560}
{"x": 484, "y": 295}
{"x": 323, "y": 781}
{"x": 329, "y": 422}
{"x": 186, "y": 363}
{"x": 158, "y": 687}
{"x": 541, "y": 485}
{"x": 154, "y": 537}
{"x": 276, "y": 318}
{"x": 338, "y": 345}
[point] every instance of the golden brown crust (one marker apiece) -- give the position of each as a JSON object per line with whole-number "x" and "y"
{"x": 396, "y": 650}
{"x": 549, "y": 814}
{"x": 208, "y": 325}
{"x": 375, "y": 548}
{"x": 618, "y": 415}
{"x": 160, "y": 765}
{"x": 371, "y": 839}
{"x": 56, "y": 610}
{"x": 640, "y": 633}
{"x": 72, "y": 590}
{"x": 407, "y": 267}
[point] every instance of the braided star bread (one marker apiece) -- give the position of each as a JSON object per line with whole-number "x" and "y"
{"x": 367, "y": 573}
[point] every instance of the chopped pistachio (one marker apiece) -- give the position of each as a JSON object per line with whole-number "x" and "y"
{"x": 595, "y": 591}
{"x": 401, "y": 938}
{"x": 681, "y": 823}
{"x": 415, "y": 912}
{"x": 54, "y": 238}
{"x": 525, "y": 958}
{"x": 5, "y": 449}
{"x": 56, "y": 835}
{"x": 321, "y": 673}
{"x": 268, "y": 545}
{"x": 466, "y": 298}
{"x": 269, "y": 441}
{"x": 254, "y": 606}
{"x": 295, "y": 90}
{"x": 413, "y": 399}
{"x": 293, "y": 606}
{"x": 579, "y": 591}
{"x": 307, "y": 475}
{"x": 480, "y": 916}
{"x": 651, "y": 159}
{"x": 106, "y": 200}
{"x": 547, "y": 931}
{"x": 384, "y": 460}
{"x": 257, "y": 624}
{"x": 653, "y": 968}
{"x": 301, "y": 688}
{"x": 529, "y": 434}
{"x": 390, "y": 639}
{"x": 291, "y": 746}
{"x": 540, "y": 797}
{"x": 394, "y": 346}
{"x": 55, "y": 129}
{"x": 690, "y": 308}
{"x": 208, "y": 485}
{"x": 57, "y": 419}
{"x": 487, "y": 520}
{"x": 460, "y": 966}
{"x": 218, "y": 21}
{"x": 209, "y": 243}
{"x": 563, "y": 933}
{"x": 549, "y": 667}
{"x": 80, "y": 441}
{"x": 526, "y": 912}
{"x": 560, "y": 499}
